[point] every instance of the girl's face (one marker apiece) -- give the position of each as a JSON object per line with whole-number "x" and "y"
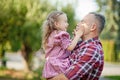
{"x": 62, "y": 23}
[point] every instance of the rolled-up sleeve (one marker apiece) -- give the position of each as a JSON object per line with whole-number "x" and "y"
{"x": 63, "y": 39}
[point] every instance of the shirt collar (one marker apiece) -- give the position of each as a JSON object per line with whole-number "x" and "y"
{"x": 87, "y": 41}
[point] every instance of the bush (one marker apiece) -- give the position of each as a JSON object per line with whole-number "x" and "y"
{"x": 109, "y": 52}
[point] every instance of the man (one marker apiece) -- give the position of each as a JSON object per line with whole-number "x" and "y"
{"x": 87, "y": 58}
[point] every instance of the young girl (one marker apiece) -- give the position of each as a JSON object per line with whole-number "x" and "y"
{"x": 57, "y": 44}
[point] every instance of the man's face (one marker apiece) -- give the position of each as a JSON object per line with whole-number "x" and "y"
{"x": 87, "y": 23}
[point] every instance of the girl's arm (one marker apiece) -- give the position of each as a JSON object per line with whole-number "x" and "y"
{"x": 73, "y": 43}
{"x": 78, "y": 33}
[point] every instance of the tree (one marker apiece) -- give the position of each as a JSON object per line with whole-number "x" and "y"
{"x": 111, "y": 9}
{"x": 112, "y": 14}
{"x": 20, "y": 23}
{"x": 4, "y": 29}
{"x": 69, "y": 10}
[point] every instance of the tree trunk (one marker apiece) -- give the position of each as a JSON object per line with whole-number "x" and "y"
{"x": 26, "y": 52}
{"x": 3, "y": 58}
{"x": 4, "y": 61}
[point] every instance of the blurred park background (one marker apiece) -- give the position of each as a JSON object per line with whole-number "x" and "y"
{"x": 21, "y": 56}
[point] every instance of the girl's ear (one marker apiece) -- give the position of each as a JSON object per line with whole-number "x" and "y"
{"x": 93, "y": 27}
{"x": 56, "y": 24}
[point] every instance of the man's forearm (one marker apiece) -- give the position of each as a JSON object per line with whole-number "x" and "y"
{"x": 59, "y": 77}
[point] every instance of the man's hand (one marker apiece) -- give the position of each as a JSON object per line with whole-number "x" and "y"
{"x": 59, "y": 77}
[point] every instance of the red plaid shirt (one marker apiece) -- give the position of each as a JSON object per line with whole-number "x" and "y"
{"x": 86, "y": 61}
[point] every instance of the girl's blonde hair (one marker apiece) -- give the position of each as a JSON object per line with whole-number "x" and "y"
{"x": 49, "y": 26}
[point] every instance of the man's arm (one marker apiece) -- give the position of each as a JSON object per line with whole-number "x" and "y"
{"x": 59, "y": 77}
{"x": 84, "y": 64}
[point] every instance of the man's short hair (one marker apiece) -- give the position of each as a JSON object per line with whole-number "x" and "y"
{"x": 101, "y": 20}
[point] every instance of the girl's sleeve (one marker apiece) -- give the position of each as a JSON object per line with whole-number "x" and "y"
{"x": 63, "y": 39}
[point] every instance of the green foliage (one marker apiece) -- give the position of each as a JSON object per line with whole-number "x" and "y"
{"x": 69, "y": 10}
{"x": 108, "y": 47}
{"x": 110, "y": 8}
{"x": 113, "y": 77}
{"x": 6, "y": 74}
{"x": 109, "y": 51}
{"x": 39, "y": 72}
{"x": 20, "y": 22}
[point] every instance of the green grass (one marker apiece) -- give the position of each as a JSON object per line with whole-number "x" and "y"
{"x": 36, "y": 75}
{"x": 113, "y": 77}
{"x": 9, "y": 78}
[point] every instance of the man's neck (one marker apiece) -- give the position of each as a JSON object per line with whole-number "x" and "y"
{"x": 87, "y": 37}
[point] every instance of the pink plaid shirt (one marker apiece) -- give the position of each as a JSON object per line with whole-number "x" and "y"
{"x": 86, "y": 61}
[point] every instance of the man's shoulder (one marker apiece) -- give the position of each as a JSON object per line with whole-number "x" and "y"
{"x": 89, "y": 45}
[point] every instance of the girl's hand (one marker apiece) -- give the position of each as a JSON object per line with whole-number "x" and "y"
{"x": 79, "y": 31}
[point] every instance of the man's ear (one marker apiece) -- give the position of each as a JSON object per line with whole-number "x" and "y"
{"x": 94, "y": 27}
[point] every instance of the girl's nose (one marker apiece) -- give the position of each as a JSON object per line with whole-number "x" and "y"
{"x": 67, "y": 24}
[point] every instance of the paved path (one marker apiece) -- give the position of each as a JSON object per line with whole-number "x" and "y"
{"x": 102, "y": 78}
{"x": 110, "y": 69}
